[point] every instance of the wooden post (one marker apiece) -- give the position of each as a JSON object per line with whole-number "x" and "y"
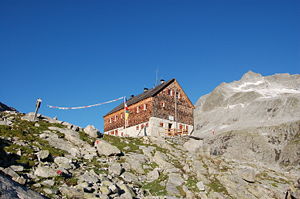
{"x": 37, "y": 106}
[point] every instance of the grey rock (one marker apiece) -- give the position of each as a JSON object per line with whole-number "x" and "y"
{"x": 104, "y": 190}
{"x": 257, "y": 115}
{"x": 45, "y": 172}
{"x": 63, "y": 162}
{"x": 129, "y": 177}
{"x": 192, "y": 145}
{"x": 248, "y": 174}
{"x": 200, "y": 186}
{"x": 115, "y": 169}
{"x": 153, "y": 175}
{"x": 10, "y": 189}
{"x": 89, "y": 176}
{"x": 128, "y": 192}
{"x": 48, "y": 183}
{"x": 48, "y": 191}
{"x": 173, "y": 182}
{"x": 42, "y": 155}
{"x": 9, "y": 171}
{"x": 17, "y": 167}
{"x": 105, "y": 148}
{"x": 162, "y": 160}
{"x": 136, "y": 161}
{"x": 91, "y": 131}
{"x": 71, "y": 192}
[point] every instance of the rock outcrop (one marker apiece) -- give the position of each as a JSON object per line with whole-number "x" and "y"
{"x": 254, "y": 119}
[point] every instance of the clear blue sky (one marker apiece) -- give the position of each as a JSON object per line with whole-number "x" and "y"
{"x": 72, "y": 53}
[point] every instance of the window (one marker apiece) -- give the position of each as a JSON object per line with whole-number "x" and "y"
{"x": 171, "y": 92}
{"x": 180, "y": 126}
{"x": 137, "y": 127}
{"x": 187, "y": 127}
{"x": 110, "y": 120}
{"x": 161, "y": 124}
{"x": 147, "y": 124}
{"x": 137, "y": 109}
{"x": 116, "y": 132}
{"x": 116, "y": 117}
{"x": 145, "y": 107}
{"x": 121, "y": 116}
{"x": 142, "y": 126}
{"x": 178, "y": 95}
{"x": 163, "y": 104}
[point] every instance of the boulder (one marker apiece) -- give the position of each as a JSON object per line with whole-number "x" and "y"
{"x": 89, "y": 177}
{"x": 129, "y": 177}
{"x": 127, "y": 191}
{"x": 173, "y": 182}
{"x": 248, "y": 174}
{"x": 115, "y": 169}
{"x": 10, "y": 189}
{"x": 105, "y": 148}
{"x": 91, "y": 131}
{"x": 45, "y": 172}
{"x": 63, "y": 162}
{"x": 71, "y": 192}
{"x": 153, "y": 175}
{"x": 192, "y": 145}
{"x": 42, "y": 155}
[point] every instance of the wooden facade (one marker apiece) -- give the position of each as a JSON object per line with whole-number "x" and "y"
{"x": 159, "y": 102}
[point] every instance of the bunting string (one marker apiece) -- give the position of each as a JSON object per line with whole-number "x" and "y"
{"x": 88, "y": 106}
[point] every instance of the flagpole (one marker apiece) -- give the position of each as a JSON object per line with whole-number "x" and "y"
{"x": 124, "y": 100}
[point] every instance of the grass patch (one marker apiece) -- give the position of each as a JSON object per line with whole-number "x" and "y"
{"x": 155, "y": 188}
{"x": 191, "y": 184}
{"x": 216, "y": 186}
{"x": 181, "y": 191}
{"x": 265, "y": 176}
{"x": 83, "y": 136}
{"x": 125, "y": 144}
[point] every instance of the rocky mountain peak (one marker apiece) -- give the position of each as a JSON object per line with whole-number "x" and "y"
{"x": 250, "y": 76}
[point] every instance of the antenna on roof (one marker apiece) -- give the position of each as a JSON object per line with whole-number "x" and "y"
{"x": 156, "y": 77}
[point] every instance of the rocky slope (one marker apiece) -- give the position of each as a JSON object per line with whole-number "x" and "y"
{"x": 255, "y": 119}
{"x": 60, "y": 160}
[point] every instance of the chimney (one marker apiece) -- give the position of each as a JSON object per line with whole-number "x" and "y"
{"x": 146, "y": 89}
{"x": 131, "y": 96}
{"x": 162, "y": 81}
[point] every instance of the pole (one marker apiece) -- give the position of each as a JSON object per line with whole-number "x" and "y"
{"x": 175, "y": 115}
{"x": 124, "y": 99}
{"x": 37, "y": 106}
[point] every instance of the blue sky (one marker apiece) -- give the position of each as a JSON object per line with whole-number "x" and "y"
{"x": 72, "y": 53}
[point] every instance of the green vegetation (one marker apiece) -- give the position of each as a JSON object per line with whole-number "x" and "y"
{"x": 83, "y": 136}
{"x": 191, "y": 184}
{"x": 266, "y": 176}
{"x": 125, "y": 144}
{"x": 216, "y": 186}
{"x": 26, "y": 132}
{"x": 181, "y": 191}
{"x": 151, "y": 165}
{"x": 71, "y": 181}
{"x": 155, "y": 188}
